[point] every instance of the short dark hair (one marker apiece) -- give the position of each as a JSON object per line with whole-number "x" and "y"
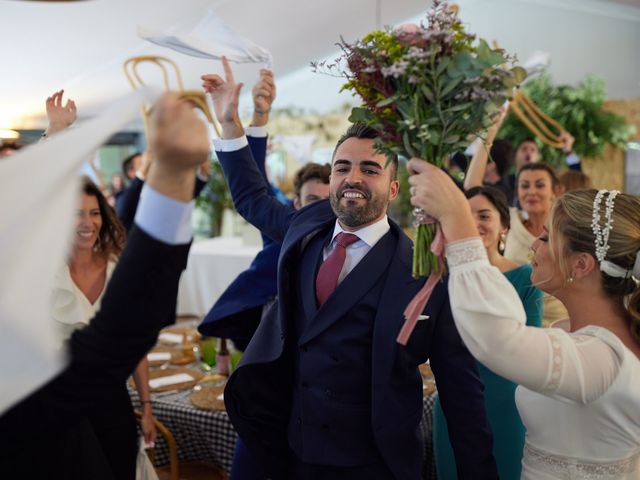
{"x": 127, "y": 163}
{"x": 525, "y": 140}
{"x": 496, "y": 198}
{"x": 112, "y": 234}
{"x": 362, "y": 131}
{"x": 539, "y": 166}
{"x": 311, "y": 171}
{"x": 502, "y": 153}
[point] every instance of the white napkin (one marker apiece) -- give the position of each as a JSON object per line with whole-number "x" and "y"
{"x": 158, "y": 356}
{"x": 167, "y": 337}
{"x": 208, "y": 37}
{"x": 39, "y": 189}
{"x": 170, "y": 380}
{"x": 220, "y": 397}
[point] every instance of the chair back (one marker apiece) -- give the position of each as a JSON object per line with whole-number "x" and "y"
{"x": 540, "y": 124}
{"x": 174, "y": 464}
{"x": 197, "y": 98}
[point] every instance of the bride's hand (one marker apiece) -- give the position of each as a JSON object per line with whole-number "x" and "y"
{"x": 433, "y": 191}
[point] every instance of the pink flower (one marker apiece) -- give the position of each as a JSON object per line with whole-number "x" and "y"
{"x": 408, "y": 28}
{"x": 410, "y": 34}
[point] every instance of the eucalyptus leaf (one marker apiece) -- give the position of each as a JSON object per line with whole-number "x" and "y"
{"x": 428, "y": 94}
{"x": 451, "y": 84}
{"x": 386, "y": 102}
{"x": 359, "y": 115}
{"x": 407, "y": 145}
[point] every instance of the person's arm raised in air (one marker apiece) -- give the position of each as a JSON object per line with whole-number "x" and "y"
{"x": 59, "y": 116}
{"x": 478, "y": 165}
{"x": 249, "y": 190}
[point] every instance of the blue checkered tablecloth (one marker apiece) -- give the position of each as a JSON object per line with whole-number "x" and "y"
{"x": 208, "y": 436}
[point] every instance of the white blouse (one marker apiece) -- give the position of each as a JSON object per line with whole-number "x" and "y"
{"x": 71, "y": 309}
{"x": 580, "y": 392}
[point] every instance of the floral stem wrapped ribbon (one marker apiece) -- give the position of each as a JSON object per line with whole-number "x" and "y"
{"x": 425, "y": 89}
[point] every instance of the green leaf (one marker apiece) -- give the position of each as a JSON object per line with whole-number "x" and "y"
{"x": 426, "y": 91}
{"x": 387, "y": 101}
{"x": 434, "y": 137}
{"x": 459, "y": 107}
{"x": 404, "y": 107}
{"x": 442, "y": 66}
{"x": 359, "y": 115}
{"x": 407, "y": 145}
{"x": 451, "y": 84}
{"x": 519, "y": 74}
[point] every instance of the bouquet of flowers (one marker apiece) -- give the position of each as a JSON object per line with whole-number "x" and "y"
{"x": 425, "y": 89}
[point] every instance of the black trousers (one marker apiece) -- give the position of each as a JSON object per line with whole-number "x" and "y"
{"x": 299, "y": 470}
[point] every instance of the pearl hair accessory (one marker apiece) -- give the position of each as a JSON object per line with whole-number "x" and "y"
{"x": 602, "y": 237}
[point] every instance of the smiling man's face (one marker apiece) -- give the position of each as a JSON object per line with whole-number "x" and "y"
{"x": 360, "y": 187}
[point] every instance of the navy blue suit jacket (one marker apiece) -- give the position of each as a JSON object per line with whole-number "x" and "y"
{"x": 258, "y": 394}
{"x": 237, "y": 312}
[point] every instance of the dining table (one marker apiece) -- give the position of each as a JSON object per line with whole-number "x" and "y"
{"x": 199, "y": 423}
{"x": 212, "y": 265}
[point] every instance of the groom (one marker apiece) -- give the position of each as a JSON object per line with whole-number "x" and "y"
{"x": 324, "y": 391}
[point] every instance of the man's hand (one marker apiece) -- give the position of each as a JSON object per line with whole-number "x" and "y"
{"x": 60, "y": 117}
{"x": 225, "y": 94}
{"x": 180, "y": 144}
{"x": 263, "y": 93}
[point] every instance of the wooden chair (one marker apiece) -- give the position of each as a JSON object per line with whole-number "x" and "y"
{"x": 197, "y": 98}
{"x": 177, "y": 470}
{"x": 539, "y": 123}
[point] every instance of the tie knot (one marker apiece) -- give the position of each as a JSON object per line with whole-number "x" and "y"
{"x": 346, "y": 239}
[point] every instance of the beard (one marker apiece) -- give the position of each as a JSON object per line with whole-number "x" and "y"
{"x": 353, "y": 214}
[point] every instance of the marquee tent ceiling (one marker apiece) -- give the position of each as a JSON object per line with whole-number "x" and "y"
{"x": 81, "y": 46}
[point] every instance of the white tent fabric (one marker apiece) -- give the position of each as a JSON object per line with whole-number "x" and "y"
{"x": 208, "y": 37}
{"x": 38, "y": 195}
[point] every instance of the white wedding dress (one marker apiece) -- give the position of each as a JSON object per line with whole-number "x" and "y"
{"x": 579, "y": 393}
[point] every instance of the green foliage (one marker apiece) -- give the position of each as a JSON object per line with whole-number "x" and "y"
{"x": 579, "y": 111}
{"x": 215, "y": 197}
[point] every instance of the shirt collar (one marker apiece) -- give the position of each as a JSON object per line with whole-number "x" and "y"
{"x": 369, "y": 234}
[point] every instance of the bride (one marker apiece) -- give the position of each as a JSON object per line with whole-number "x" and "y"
{"x": 579, "y": 390}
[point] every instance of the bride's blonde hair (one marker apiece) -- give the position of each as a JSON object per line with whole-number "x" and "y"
{"x": 570, "y": 231}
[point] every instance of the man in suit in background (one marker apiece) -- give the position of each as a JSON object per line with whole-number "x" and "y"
{"x": 323, "y": 390}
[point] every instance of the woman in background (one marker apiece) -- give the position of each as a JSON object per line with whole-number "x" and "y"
{"x": 491, "y": 214}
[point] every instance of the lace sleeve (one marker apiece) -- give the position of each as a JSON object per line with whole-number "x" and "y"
{"x": 491, "y": 321}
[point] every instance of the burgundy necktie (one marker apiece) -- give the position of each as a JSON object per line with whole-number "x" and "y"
{"x": 327, "y": 279}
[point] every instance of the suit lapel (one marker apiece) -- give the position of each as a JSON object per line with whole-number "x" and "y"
{"x": 353, "y": 287}
{"x": 311, "y": 259}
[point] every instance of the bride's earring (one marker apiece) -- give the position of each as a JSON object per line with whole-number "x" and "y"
{"x": 501, "y": 243}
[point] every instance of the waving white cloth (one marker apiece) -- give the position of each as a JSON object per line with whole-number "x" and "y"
{"x": 208, "y": 37}
{"x": 39, "y": 189}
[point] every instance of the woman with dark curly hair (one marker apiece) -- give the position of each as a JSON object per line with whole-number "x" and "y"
{"x": 98, "y": 240}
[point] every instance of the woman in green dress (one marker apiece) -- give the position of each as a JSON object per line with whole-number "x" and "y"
{"x": 491, "y": 212}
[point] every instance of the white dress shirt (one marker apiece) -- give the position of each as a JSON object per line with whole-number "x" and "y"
{"x": 163, "y": 218}
{"x": 368, "y": 236}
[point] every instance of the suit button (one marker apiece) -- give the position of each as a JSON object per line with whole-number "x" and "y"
{"x": 305, "y": 385}
{"x": 335, "y": 358}
{"x": 328, "y": 392}
{"x": 299, "y": 420}
{"x": 325, "y": 427}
